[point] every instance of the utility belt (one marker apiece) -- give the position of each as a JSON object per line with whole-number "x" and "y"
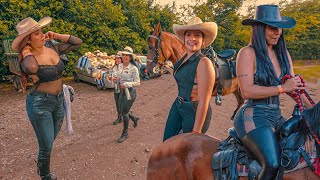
{"x": 43, "y": 94}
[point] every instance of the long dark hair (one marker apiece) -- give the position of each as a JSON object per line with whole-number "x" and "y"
{"x": 24, "y": 76}
{"x": 132, "y": 60}
{"x": 264, "y": 65}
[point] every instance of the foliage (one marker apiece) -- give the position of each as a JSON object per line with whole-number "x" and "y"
{"x": 110, "y": 25}
{"x": 107, "y": 25}
{"x": 303, "y": 40}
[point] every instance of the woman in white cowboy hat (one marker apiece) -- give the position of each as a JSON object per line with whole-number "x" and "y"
{"x": 194, "y": 73}
{"x": 128, "y": 78}
{"x": 260, "y": 67}
{"x": 44, "y": 103}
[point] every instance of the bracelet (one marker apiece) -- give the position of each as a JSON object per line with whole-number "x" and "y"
{"x": 280, "y": 89}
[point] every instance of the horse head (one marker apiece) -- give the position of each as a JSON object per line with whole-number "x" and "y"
{"x": 156, "y": 56}
{"x": 162, "y": 46}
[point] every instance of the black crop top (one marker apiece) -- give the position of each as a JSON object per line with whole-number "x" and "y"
{"x": 48, "y": 73}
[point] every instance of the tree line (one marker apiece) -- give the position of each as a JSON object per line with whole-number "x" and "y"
{"x": 110, "y": 25}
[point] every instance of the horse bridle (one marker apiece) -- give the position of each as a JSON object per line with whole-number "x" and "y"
{"x": 158, "y": 45}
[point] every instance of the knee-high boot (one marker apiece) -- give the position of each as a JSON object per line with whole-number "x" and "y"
{"x": 124, "y": 134}
{"x": 44, "y": 169}
{"x": 134, "y": 118}
{"x": 263, "y": 144}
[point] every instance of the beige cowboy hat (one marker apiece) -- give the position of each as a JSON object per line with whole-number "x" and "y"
{"x": 209, "y": 29}
{"x": 127, "y": 50}
{"x": 28, "y": 26}
{"x": 119, "y": 54}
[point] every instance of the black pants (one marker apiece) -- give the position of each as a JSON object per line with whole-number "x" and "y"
{"x": 125, "y": 105}
{"x": 116, "y": 99}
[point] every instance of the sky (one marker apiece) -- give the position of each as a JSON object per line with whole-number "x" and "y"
{"x": 242, "y": 10}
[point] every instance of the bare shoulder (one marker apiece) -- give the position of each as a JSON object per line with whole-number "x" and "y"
{"x": 246, "y": 54}
{"x": 205, "y": 61}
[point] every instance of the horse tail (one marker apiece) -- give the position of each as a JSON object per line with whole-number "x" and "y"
{"x": 312, "y": 117}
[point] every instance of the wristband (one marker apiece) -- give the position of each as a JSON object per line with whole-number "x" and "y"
{"x": 280, "y": 89}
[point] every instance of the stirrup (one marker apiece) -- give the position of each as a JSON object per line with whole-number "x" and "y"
{"x": 218, "y": 100}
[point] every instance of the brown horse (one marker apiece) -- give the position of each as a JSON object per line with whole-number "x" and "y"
{"x": 189, "y": 156}
{"x": 164, "y": 46}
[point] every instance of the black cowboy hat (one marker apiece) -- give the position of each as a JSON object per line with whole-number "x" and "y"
{"x": 270, "y": 15}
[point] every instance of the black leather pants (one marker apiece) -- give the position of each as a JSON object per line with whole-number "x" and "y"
{"x": 263, "y": 144}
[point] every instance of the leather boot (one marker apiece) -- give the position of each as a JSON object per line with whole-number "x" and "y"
{"x": 124, "y": 134}
{"x": 118, "y": 120}
{"x": 135, "y": 119}
{"x": 44, "y": 170}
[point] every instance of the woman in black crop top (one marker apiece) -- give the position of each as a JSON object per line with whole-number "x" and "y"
{"x": 42, "y": 63}
{"x": 260, "y": 67}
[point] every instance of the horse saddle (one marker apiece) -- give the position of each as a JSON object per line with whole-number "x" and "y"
{"x": 225, "y": 69}
{"x": 291, "y": 147}
{"x": 226, "y": 65}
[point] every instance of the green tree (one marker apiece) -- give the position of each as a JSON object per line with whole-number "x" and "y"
{"x": 303, "y": 40}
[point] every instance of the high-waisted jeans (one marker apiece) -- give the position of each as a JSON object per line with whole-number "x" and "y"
{"x": 45, "y": 112}
{"x": 182, "y": 116}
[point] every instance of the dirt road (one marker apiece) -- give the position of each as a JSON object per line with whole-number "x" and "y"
{"x": 93, "y": 152}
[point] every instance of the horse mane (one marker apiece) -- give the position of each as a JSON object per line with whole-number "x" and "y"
{"x": 172, "y": 35}
{"x": 167, "y": 33}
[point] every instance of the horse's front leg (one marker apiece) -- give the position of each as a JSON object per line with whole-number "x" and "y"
{"x": 240, "y": 101}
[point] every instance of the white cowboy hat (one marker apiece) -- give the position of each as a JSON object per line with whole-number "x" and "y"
{"x": 209, "y": 29}
{"x": 127, "y": 50}
{"x": 28, "y": 26}
{"x": 119, "y": 54}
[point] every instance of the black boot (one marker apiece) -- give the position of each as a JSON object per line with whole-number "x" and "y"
{"x": 44, "y": 170}
{"x": 135, "y": 119}
{"x": 118, "y": 120}
{"x": 124, "y": 134}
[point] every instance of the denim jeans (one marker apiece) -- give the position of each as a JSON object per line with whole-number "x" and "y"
{"x": 45, "y": 112}
{"x": 182, "y": 116}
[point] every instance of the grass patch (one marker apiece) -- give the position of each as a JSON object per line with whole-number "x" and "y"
{"x": 310, "y": 73}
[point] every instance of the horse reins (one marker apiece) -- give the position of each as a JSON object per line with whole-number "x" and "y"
{"x": 156, "y": 48}
{"x": 297, "y": 95}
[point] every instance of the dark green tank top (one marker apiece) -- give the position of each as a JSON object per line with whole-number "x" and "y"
{"x": 185, "y": 74}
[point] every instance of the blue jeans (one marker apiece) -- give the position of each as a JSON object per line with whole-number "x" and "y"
{"x": 45, "y": 112}
{"x": 182, "y": 116}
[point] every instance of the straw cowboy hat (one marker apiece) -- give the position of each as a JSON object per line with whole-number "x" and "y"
{"x": 28, "y": 26}
{"x": 118, "y": 54}
{"x": 127, "y": 50}
{"x": 209, "y": 29}
{"x": 270, "y": 15}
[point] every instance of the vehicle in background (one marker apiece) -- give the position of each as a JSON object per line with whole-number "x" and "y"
{"x": 143, "y": 67}
{"x": 84, "y": 71}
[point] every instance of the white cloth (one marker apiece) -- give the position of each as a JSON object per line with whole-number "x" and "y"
{"x": 129, "y": 76}
{"x": 67, "y": 107}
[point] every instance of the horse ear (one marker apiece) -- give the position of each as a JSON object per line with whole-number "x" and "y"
{"x": 158, "y": 29}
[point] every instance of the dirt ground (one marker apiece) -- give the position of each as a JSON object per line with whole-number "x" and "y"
{"x": 93, "y": 152}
